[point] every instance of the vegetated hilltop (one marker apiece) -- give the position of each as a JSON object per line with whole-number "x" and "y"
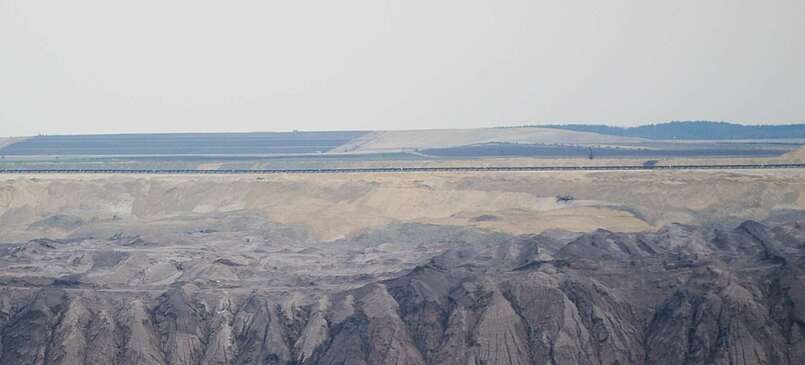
{"x": 695, "y": 130}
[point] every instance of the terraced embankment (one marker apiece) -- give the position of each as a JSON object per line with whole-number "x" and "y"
{"x": 570, "y": 267}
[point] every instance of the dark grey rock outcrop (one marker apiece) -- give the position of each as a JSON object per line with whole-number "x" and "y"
{"x": 682, "y": 295}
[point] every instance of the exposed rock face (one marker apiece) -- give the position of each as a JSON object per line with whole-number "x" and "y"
{"x": 682, "y": 295}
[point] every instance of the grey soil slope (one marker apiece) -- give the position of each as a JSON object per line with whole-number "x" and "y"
{"x": 680, "y": 295}
{"x": 469, "y": 147}
{"x": 404, "y": 269}
{"x": 181, "y": 144}
{"x": 394, "y": 141}
{"x": 7, "y": 141}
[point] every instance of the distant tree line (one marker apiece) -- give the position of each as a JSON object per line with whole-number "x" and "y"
{"x": 691, "y": 130}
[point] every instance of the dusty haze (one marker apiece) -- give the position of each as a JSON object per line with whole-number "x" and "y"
{"x": 97, "y": 66}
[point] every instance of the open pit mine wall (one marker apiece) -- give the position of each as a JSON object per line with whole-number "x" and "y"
{"x": 683, "y": 295}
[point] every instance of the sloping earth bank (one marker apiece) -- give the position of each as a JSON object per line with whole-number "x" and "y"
{"x": 683, "y": 294}
{"x": 403, "y": 269}
{"x": 334, "y": 206}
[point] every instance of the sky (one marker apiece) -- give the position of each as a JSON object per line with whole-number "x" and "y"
{"x": 107, "y": 66}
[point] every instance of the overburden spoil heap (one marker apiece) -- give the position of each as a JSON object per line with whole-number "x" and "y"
{"x": 681, "y": 295}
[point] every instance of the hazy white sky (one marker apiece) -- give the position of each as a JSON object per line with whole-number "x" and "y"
{"x": 83, "y": 66}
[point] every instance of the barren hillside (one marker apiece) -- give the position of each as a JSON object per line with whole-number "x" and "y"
{"x": 7, "y": 141}
{"x": 683, "y": 294}
{"x": 505, "y": 268}
{"x": 335, "y": 205}
{"x": 394, "y": 141}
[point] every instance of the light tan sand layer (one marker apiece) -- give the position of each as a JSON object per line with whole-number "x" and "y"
{"x": 336, "y": 205}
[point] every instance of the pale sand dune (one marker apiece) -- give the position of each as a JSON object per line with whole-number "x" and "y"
{"x": 9, "y": 140}
{"x": 394, "y": 141}
{"x": 338, "y": 205}
{"x": 797, "y": 154}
